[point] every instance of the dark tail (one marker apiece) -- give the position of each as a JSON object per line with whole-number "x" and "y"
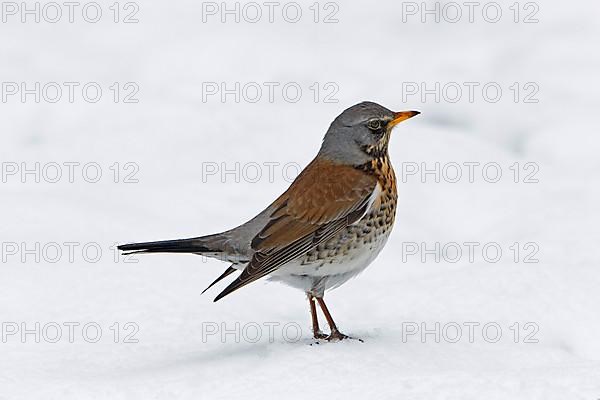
{"x": 193, "y": 245}
{"x": 211, "y": 245}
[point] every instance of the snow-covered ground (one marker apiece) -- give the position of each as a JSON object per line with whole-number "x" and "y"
{"x": 528, "y": 330}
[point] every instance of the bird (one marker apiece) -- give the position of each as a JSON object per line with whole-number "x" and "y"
{"x": 326, "y": 228}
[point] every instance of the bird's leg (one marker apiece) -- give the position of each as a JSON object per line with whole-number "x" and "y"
{"x": 335, "y": 333}
{"x": 315, "y": 320}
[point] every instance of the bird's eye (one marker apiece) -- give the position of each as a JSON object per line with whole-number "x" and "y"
{"x": 374, "y": 124}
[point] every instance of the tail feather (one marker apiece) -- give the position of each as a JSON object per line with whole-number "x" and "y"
{"x": 211, "y": 246}
{"x": 194, "y": 245}
{"x": 224, "y": 275}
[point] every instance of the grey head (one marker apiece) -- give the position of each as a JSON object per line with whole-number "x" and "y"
{"x": 361, "y": 133}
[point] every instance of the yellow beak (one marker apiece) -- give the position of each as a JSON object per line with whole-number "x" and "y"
{"x": 402, "y": 116}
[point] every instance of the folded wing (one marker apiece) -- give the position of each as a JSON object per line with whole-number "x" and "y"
{"x": 324, "y": 199}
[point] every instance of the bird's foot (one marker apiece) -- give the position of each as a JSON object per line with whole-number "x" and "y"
{"x": 337, "y": 336}
{"x": 320, "y": 335}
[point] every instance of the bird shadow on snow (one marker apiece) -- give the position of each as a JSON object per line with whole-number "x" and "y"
{"x": 228, "y": 352}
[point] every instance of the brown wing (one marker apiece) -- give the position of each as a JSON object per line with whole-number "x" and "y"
{"x": 325, "y": 198}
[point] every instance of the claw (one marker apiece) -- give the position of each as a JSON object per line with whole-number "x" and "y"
{"x": 337, "y": 336}
{"x": 320, "y": 335}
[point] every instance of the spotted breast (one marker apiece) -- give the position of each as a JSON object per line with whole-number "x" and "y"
{"x": 349, "y": 252}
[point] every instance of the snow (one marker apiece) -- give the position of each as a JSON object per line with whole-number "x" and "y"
{"x": 174, "y": 138}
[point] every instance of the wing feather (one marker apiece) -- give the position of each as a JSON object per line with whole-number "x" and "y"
{"x": 323, "y": 200}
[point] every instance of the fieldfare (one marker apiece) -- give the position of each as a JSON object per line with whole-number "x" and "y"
{"x": 326, "y": 228}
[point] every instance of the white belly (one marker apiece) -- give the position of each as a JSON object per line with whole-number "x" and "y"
{"x": 330, "y": 272}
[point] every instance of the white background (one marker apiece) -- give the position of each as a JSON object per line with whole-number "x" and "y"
{"x": 172, "y": 136}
